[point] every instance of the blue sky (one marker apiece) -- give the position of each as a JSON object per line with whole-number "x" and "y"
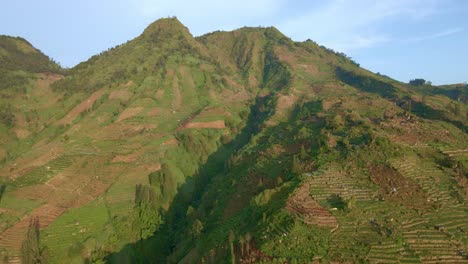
{"x": 404, "y": 39}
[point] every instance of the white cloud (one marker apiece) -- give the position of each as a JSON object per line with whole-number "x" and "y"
{"x": 347, "y": 25}
{"x": 344, "y": 25}
{"x": 441, "y": 34}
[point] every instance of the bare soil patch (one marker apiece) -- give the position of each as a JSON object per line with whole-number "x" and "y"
{"x": 87, "y": 178}
{"x": 122, "y": 94}
{"x": 129, "y": 112}
{"x": 21, "y": 133}
{"x": 83, "y": 106}
{"x": 155, "y": 111}
{"x": 293, "y": 60}
{"x": 23, "y": 165}
{"x": 13, "y": 237}
{"x": 153, "y": 167}
{"x": 3, "y": 154}
{"x": 393, "y": 186}
{"x": 159, "y": 94}
{"x": 303, "y": 204}
{"x": 219, "y": 124}
{"x": 170, "y": 141}
{"x": 128, "y": 84}
{"x": 130, "y": 157}
{"x": 409, "y": 131}
{"x": 120, "y": 130}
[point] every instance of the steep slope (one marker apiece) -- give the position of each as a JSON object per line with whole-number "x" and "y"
{"x": 343, "y": 165}
{"x": 18, "y": 54}
{"x": 236, "y": 146}
{"x": 111, "y": 127}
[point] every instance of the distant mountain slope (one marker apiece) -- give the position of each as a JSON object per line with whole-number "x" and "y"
{"x": 232, "y": 147}
{"x": 18, "y": 54}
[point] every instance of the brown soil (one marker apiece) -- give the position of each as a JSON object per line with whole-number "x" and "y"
{"x": 129, "y": 112}
{"x": 43, "y": 82}
{"x": 123, "y": 94}
{"x": 85, "y": 105}
{"x": 128, "y": 84}
{"x": 407, "y": 130}
{"x": 120, "y": 130}
{"x": 159, "y": 94}
{"x": 3, "y": 154}
{"x": 126, "y": 158}
{"x": 233, "y": 83}
{"x": 393, "y": 186}
{"x": 13, "y": 237}
{"x": 21, "y": 133}
{"x": 219, "y": 124}
{"x": 292, "y": 59}
{"x": 21, "y": 126}
{"x": 154, "y": 112}
{"x": 129, "y": 158}
{"x": 303, "y": 204}
{"x": 285, "y": 102}
{"x": 73, "y": 187}
{"x": 171, "y": 141}
{"x": 22, "y": 166}
{"x": 153, "y": 167}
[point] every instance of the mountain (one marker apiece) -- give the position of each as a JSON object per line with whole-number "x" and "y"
{"x": 18, "y": 54}
{"x": 232, "y": 147}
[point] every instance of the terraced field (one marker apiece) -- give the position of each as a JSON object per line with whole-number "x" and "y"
{"x": 333, "y": 182}
{"x": 230, "y": 147}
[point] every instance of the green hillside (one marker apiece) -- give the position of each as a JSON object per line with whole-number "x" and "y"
{"x": 232, "y": 147}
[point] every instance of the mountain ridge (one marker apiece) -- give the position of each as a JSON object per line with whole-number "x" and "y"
{"x": 240, "y": 146}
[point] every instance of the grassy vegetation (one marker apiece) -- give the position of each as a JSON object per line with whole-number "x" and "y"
{"x": 319, "y": 160}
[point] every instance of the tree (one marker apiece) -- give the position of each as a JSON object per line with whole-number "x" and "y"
{"x": 296, "y": 167}
{"x": 351, "y": 203}
{"x": 231, "y": 246}
{"x": 2, "y": 191}
{"x": 197, "y": 228}
{"x": 457, "y": 109}
{"x": 417, "y": 82}
{"x": 303, "y": 153}
{"x": 242, "y": 244}
{"x": 247, "y": 239}
{"x": 31, "y": 252}
{"x": 147, "y": 219}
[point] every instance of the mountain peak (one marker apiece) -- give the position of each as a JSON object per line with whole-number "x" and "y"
{"x": 166, "y": 27}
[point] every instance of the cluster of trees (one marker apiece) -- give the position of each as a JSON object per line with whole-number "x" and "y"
{"x": 14, "y": 80}
{"x": 147, "y": 217}
{"x": 419, "y": 82}
{"x": 31, "y": 250}
{"x": 367, "y": 83}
